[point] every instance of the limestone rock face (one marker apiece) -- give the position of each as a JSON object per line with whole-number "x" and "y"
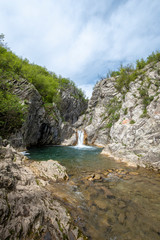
{"x": 50, "y": 169}
{"x": 72, "y": 107}
{"x": 71, "y": 141}
{"x": 37, "y": 129}
{"x": 127, "y": 125}
{"x": 42, "y": 127}
{"x": 93, "y": 121}
{"x": 28, "y": 210}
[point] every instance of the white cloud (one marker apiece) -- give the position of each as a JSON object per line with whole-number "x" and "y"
{"x": 81, "y": 39}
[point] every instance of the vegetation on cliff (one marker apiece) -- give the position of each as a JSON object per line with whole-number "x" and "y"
{"x": 11, "y": 110}
{"x": 123, "y": 78}
{"x": 49, "y": 85}
{"x": 127, "y": 74}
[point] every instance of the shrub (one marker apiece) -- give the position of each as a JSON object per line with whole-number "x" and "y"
{"x": 12, "y": 112}
{"x": 112, "y": 111}
{"x": 125, "y": 111}
{"x": 140, "y": 64}
{"x": 155, "y": 56}
{"x": 126, "y": 76}
{"x": 132, "y": 122}
{"x": 144, "y": 114}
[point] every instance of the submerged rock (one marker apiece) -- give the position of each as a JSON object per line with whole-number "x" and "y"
{"x": 95, "y": 176}
{"x": 102, "y": 204}
{"x": 121, "y": 218}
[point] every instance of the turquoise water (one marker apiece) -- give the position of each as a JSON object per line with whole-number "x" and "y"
{"x": 73, "y": 158}
{"x": 123, "y": 205}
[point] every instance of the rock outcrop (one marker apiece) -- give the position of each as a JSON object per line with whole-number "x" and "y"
{"x": 50, "y": 169}
{"x": 45, "y": 125}
{"x": 71, "y": 107}
{"x": 127, "y": 125}
{"x": 27, "y": 209}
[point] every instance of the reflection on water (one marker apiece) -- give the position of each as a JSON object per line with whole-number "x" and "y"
{"x": 107, "y": 199}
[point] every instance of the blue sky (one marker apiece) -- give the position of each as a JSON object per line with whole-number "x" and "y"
{"x": 81, "y": 39}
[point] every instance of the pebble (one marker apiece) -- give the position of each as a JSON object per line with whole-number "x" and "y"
{"x": 102, "y": 204}
{"x": 133, "y": 173}
{"x": 105, "y": 173}
{"x": 106, "y": 191}
{"x": 121, "y": 218}
{"x": 97, "y": 177}
{"x": 94, "y": 177}
{"x": 122, "y": 204}
{"x": 126, "y": 177}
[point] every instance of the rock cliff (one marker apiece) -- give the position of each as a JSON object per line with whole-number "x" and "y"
{"x": 71, "y": 107}
{"x": 27, "y": 209}
{"x": 45, "y": 124}
{"x": 127, "y": 122}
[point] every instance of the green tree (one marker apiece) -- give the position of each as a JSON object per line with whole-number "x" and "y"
{"x": 140, "y": 64}
{"x": 11, "y": 110}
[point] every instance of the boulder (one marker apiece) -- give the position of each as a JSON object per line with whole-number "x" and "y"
{"x": 49, "y": 170}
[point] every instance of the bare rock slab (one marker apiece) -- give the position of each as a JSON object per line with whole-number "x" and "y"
{"x": 50, "y": 170}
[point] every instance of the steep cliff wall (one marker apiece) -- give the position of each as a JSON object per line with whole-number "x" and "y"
{"x": 43, "y": 124}
{"x": 72, "y": 104}
{"x": 127, "y": 122}
{"x": 53, "y": 103}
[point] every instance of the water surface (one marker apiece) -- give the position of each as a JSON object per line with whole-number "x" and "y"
{"x": 124, "y": 204}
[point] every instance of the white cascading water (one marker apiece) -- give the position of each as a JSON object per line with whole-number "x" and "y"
{"x": 80, "y": 144}
{"x": 80, "y": 139}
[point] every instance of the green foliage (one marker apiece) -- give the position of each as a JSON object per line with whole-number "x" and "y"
{"x": 145, "y": 96}
{"x": 132, "y": 121}
{"x": 154, "y": 57}
{"x": 47, "y": 83}
{"x": 50, "y": 110}
{"x": 109, "y": 124}
{"x": 146, "y": 99}
{"x": 125, "y": 111}
{"x": 126, "y": 76}
{"x": 123, "y": 77}
{"x": 11, "y": 110}
{"x": 140, "y": 64}
{"x": 90, "y": 120}
{"x": 1, "y": 39}
{"x": 112, "y": 110}
{"x": 144, "y": 114}
{"x": 112, "y": 73}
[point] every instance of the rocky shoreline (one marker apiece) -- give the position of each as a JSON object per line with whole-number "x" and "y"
{"x": 28, "y": 209}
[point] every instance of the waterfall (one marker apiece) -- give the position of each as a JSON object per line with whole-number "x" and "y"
{"x": 80, "y": 139}
{"x": 80, "y": 144}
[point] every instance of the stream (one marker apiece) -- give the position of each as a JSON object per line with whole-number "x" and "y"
{"x": 107, "y": 199}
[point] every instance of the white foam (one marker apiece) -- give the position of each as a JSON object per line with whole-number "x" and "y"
{"x": 25, "y": 153}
